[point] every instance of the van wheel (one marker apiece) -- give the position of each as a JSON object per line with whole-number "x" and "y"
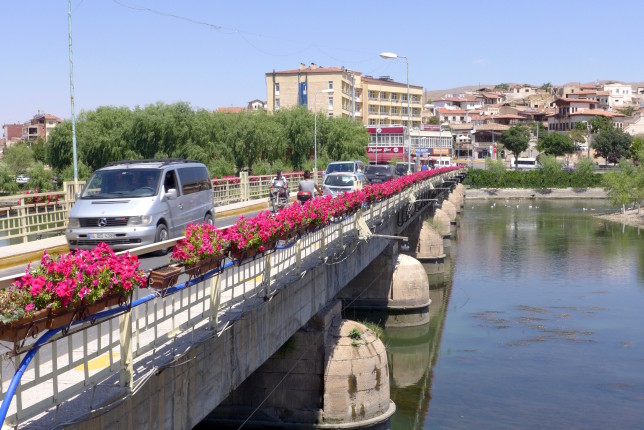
{"x": 162, "y": 234}
{"x": 208, "y": 219}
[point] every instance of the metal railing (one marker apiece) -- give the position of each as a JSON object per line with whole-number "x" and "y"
{"x": 111, "y": 355}
{"x": 32, "y": 216}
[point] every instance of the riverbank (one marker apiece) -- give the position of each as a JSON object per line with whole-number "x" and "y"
{"x": 531, "y": 193}
{"x": 630, "y": 217}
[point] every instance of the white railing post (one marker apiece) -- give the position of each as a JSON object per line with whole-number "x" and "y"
{"x": 244, "y": 185}
{"x": 22, "y": 214}
{"x": 215, "y": 300}
{"x": 323, "y": 243}
{"x": 126, "y": 375}
{"x": 266, "y": 279}
{"x": 298, "y": 256}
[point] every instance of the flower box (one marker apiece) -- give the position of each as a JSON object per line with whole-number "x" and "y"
{"x": 29, "y": 326}
{"x": 164, "y": 277}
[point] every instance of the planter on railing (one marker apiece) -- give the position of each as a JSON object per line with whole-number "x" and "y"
{"x": 25, "y": 327}
{"x": 164, "y": 277}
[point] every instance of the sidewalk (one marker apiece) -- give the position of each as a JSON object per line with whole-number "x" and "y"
{"x": 22, "y": 253}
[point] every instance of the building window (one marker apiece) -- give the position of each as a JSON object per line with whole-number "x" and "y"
{"x": 383, "y": 110}
{"x": 383, "y": 95}
{"x": 277, "y": 88}
{"x": 414, "y": 99}
{"x": 277, "y": 104}
{"x": 372, "y": 95}
{"x": 330, "y": 114}
{"x": 403, "y": 97}
{"x": 394, "y": 97}
{"x": 372, "y": 121}
{"x": 330, "y": 85}
{"x": 330, "y": 103}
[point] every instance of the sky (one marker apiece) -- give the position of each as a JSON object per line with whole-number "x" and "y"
{"x": 216, "y": 53}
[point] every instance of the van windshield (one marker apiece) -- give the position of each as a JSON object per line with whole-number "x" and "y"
{"x": 339, "y": 167}
{"x": 120, "y": 183}
{"x": 372, "y": 170}
{"x": 339, "y": 180}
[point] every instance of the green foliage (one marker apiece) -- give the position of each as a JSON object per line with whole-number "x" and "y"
{"x": 635, "y": 152}
{"x": 621, "y": 185}
{"x": 355, "y": 334}
{"x": 502, "y": 86}
{"x": 546, "y": 86}
{"x": 628, "y": 111}
{"x": 535, "y": 179}
{"x": 7, "y": 180}
{"x": 67, "y": 174}
{"x": 516, "y": 140}
{"x": 612, "y": 144}
{"x": 585, "y": 170}
{"x": 432, "y": 120}
{"x": 39, "y": 150}
{"x": 227, "y": 143}
{"x": 600, "y": 123}
{"x": 39, "y": 178}
{"x": 556, "y": 144}
{"x": 18, "y": 158}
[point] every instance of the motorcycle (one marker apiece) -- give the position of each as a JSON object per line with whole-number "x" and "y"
{"x": 304, "y": 196}
{"x": 278, "y": 197}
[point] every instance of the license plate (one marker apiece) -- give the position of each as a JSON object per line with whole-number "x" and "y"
{"x": 101, "y": 236}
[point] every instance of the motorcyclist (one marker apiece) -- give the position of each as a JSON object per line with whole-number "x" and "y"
{"x": 279, "y": 184}
{"x": 307, "y": 188}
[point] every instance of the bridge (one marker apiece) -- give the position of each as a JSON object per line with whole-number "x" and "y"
{"x": 225, "y": 340}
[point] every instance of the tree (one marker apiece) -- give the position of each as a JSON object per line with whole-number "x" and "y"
{"x": 579, "y": 132}
{"x": 546, "y": 86}
{"x": 432, "y": 120}
{"x": 621, "y": 185}
{"x": 502, "y": 86}
{"x": 599, "y": 123}
{"x": 8, "y": 182}
{"x": 556, "y": 144}
{"x": 612, "y": 144}
{"x": 18, "y": 158}
{"x": 516, "y": 140}
{"x": 635, "y": 151}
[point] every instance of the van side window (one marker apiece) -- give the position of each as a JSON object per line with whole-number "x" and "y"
{"x": 170, "y": 181}
{"x": 194, "y": 179}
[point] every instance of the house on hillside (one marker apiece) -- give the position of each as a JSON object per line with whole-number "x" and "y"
{"x": 39, "y": 126}
{"x": 256, "y": 105}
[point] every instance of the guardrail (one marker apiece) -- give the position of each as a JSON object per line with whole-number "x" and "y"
{"x": 108, "y": 359}
{"x": 32, "y": 216}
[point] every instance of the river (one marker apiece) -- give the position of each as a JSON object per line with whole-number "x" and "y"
{"x": 539, "y": 323}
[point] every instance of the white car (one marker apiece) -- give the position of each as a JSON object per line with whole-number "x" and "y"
{"x": 338, "y": 183}
{"x": 22, "y": 179}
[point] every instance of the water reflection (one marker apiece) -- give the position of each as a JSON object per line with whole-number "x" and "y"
{"x": 537, "y": 323}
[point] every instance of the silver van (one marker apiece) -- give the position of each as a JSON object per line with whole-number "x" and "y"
{"x": 134, "y": 203}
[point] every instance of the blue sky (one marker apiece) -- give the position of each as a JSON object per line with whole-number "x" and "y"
{"x": 216, "y": 53}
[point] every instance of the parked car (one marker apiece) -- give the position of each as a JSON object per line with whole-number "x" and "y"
{"x": 134, "y": 203}
{"x": 354, "y": 166}
{"x": 340, "y": 182}
{"x": 379, "y": 173}
{"x": 22, "y": 179}
{"x": 401, "y": 168}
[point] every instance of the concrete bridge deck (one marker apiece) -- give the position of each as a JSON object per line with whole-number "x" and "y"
{"x": 174, "y": 358}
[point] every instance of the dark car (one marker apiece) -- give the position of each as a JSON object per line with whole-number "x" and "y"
{"x": 401, "y": 168}
{"x": 376, "y": 174}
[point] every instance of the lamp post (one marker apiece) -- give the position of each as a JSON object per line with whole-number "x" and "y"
{"x": 315, "y": 133}
{"x": 391, "y": 56}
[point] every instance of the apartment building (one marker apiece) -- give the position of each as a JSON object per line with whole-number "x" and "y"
{"x": 39, "y": 126}
{"x": 386, "y": 102}
{"x": 341, "y": 92}
{"x": 333, "y": 91}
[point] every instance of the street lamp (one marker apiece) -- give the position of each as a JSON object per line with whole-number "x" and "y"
{"x": 392, "y": 56}
{"x": 315, "y": 133}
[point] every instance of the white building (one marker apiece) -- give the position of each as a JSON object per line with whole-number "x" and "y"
{"x": 619, "y": 95}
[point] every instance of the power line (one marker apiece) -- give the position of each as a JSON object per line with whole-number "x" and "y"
{"x": 243, "y": 34}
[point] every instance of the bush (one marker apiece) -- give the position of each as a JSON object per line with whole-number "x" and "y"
{"x": 548, "y": 177}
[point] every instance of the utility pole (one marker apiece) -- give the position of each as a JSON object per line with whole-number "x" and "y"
{"x": 71, "y": 91}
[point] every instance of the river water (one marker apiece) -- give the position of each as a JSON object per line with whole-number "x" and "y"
{"x": 539, "y": 323}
